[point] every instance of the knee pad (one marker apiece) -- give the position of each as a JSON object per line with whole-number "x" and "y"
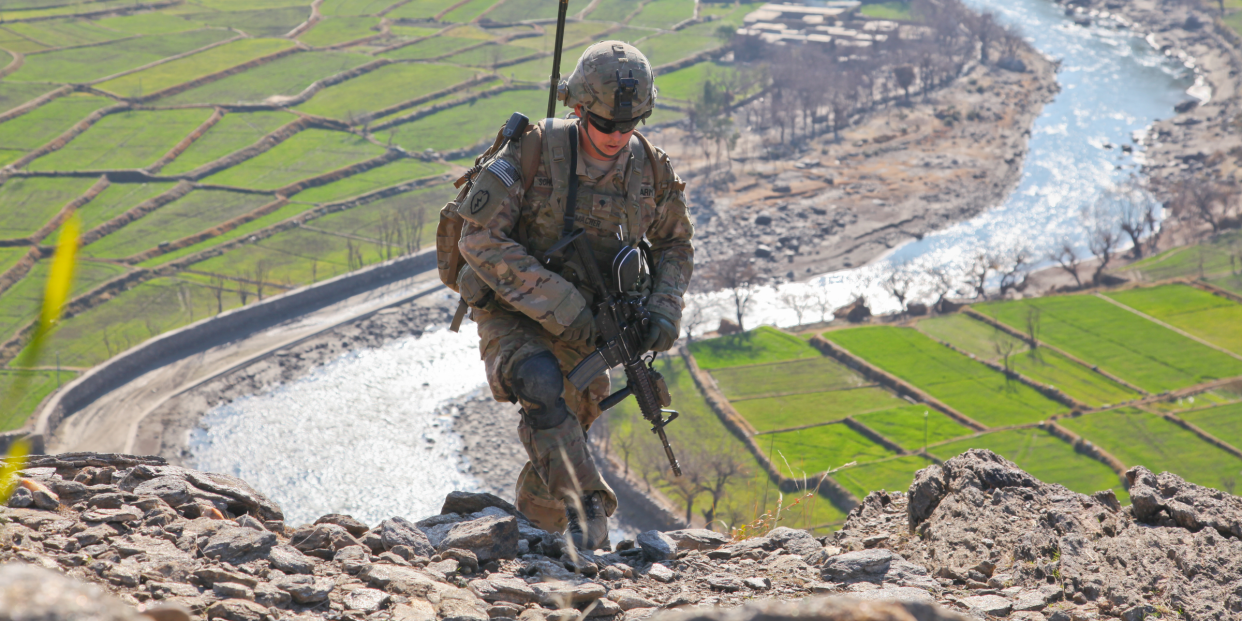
{"x": 538, "y": 382}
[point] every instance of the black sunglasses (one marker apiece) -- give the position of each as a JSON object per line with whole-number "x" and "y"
{"x": 609, "y": 126}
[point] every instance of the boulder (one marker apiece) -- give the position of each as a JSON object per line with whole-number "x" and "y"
{"x": 697, "y": 539}
{"x": 795, "y": 541}
{"x": 398, "y": 531}
{"x": 289, "y": 560}
{"x": 1191, "y": 506}
{"x": 469, "y": 502}
{"x": 877, "y": 566}
{"x": 497, "y": 588}
{"x": 236, "y": 610}
{"x": 657, "y": 546}
{"x": 305, "y": 589}
{"x": 323, "y": 540}
{"x": 237, "y": 545}
{"x": 490, "y": 538}
{"x": 354, "y": 527}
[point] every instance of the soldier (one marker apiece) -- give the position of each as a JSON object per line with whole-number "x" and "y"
{"x": 534, "y": 310}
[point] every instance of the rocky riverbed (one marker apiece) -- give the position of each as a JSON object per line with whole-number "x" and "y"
{"x": 975, "y": 536}
{"x": 1203, "y": 138}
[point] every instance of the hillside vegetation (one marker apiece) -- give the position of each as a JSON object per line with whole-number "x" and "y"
{"x": 220, "y": 151}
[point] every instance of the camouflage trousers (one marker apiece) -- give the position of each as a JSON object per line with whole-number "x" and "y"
{"x": 560, "y": 461}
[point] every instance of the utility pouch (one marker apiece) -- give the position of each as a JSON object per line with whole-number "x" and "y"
{"x": 473, "y": 290}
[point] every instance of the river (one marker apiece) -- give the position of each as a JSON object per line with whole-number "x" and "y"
{"x": 365, "y": 434}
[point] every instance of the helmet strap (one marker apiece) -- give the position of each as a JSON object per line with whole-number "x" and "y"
{"x": 586, "y": 131}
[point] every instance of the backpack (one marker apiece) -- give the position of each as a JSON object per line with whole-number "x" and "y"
{"x": 449, "y": 261}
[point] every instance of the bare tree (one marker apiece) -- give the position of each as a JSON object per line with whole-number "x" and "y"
{"x": 798, "y": 302}
{"x": 261, "y": 271}
{"x": 687, "y": 487}
{"x": 720, "y": 467}
{"x": 983, "y": 264}
{"x": 942, "y": 284}
{"x": 1137, "y": 213}
{"x": 243, "y": 289}
{"x": 904, "y": 74}
{"x": 1004, "y": 350}
{"x": 897, "y": 282}
{"x": 1065, "y": 257}
{"x": 1207, "y": 201}
{"x": 738, "y": 276}
{"x": 1015, "y": 269}
{"x": 1103, "y": 236}
{"x": 218, "y": 281}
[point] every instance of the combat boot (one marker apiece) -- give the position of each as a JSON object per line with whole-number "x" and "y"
{"x": 589, "y": 532}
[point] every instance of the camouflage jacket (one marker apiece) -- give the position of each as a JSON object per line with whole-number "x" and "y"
{"x": 508, "y": 229}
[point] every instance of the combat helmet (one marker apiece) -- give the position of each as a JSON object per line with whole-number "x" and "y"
{"x": 612, "y": 80}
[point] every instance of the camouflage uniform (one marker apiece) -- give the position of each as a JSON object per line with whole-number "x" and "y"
{"x": 506, "y": 233}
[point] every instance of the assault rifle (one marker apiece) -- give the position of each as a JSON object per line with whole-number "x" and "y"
{"x": 621, "y": 322}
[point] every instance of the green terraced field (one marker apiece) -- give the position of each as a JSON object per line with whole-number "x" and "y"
{"x": 388, "y": 175}
{"x": 813, "y": 408}
{"x": 124, "y": 140}
{"x": 134, "y": 316}
{"x": 905, "y": 426}
{"x": 758, "y": 346}
{"x": 814, "y": 450}
{"x": 434, "y": 48}
{"x": 1223, "y": 422}
{"x": 114, "y": 201}
{"x": 424, "y": 9}
{"x": 383, "y": 87}
{"x": 337, "y": 30}
{"x": 13, "y": 94}
{"x": 37, "y": 384}
{"x": 1043, "y": 366}
{"x": 150, "y": 23}
{"x": 10, "y": 256}
{"x": 1044, "y": 457}
{"x": 663, "y": 13}
{"x": 19, "y": 304}
{"x": 305, "y": 155}
{"x": 699, "y": 436}
{"x": 789, "y": 377}
{"x": 92, "y": 63}
{"x": 192, "y": 67}
{"x": 43, "y": 124}
{"x": 234, "y": 132}
{"x": 194, "y": 213}
{"x": 967, "y": 385}
{"x": 284, "y": 213}
{"x": 469, "y": 124}
{"x": 893, "y": 475}
{"x": 271, "y": 22}
{"x": 354, "y": 7}
{"x": 1140, "y": 438}
{"x": 32, "y": 202}
{"x": 1210, "y": 317}
{"x": 1135, "y": 349}
{"x": 887, "y": 10}
{"x": 303, "y": 256}
{"x": 1203, "y": 260}
{"x": 284, "y": 77}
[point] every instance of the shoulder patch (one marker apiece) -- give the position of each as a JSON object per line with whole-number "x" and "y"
{"x": 505, "y": 170}
{"x": 543, "y": 182}
{"x": 646, "y": 191}
{"x": 487, "y": 197}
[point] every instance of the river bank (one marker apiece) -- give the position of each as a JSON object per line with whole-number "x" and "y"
{"x": 1202, "y": 140}
{"x": 899, "y": 172}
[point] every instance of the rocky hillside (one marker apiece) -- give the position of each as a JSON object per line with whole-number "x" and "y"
{"x": 976, "y": 537}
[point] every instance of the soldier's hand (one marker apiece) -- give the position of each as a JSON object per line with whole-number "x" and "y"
{"x": 582, "y": 329}
{"x": 661, "y": 335}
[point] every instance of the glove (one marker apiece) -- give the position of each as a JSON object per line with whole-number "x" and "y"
{"x": 661, "y": 335}
{"x": 582, "y": 329}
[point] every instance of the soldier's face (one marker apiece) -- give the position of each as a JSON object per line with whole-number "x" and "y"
{"x": 608, "y": 144}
